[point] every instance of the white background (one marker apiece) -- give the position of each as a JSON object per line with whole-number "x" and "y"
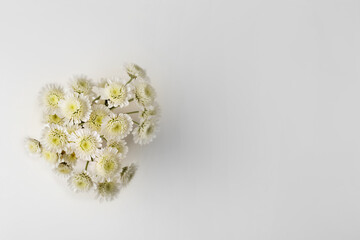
{"x": 260, "y": 128}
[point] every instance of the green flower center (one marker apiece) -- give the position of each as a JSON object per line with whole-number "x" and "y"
{"x": 109, "y": 187}
{"x": 148, "y": 91}
{"x": 150, "y": 130}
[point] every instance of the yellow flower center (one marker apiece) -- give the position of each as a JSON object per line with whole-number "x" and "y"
{"x": 71, "y": 157}
{"x": 86, "y": 145}
{"x": 53, "y": 99}
{"x": 32, "y": 147}
{"x": 98, "y": 120}
{"x": 64, "y": 168}
{"x": 82, "y": 181}
{"x": 106, "y": 166}
{"x": 82, "y": 83}
{"x": 50, "y": 156}
{"x": 55, "y": 140}
{"x": 72, "y": 107}
{"x": 117, "y": 92}
{"x": 55, "y": 118}
{"x": 80, "y": 184}
{"x": 116, "y": 127}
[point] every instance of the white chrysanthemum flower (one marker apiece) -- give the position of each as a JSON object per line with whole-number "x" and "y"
{"x": 85, "y": 143}
{"x": 150, "y": 112}
{"x": 97, "y": 89}
{"x": 120, "y": 146}
{"x": 72, "y": 128}
{"x": 145, "y": 132}
{"x": 63, "y": 168}
{"x": 81, "y": 84}
{"x": 99, "y": 112}
{"x": 53, "y": 119}
{"x": 70, "y": 158}
{"x": 75, "y": 109}
{"x": 33, "y": 146}
{"x": 55, "y": 138}
{"x": 144, "y": 93}
{"x": 107, "y": 163}
{"x": 80, "y": 182}
{"x": 127, "y": 173}
{"x": 117, "y": 126}
{"x": 49, "y": 156}
{"x": 50, "y": 95}
{"x": 102, "y": 83}
{"x": 116, "y": 92}
{"x": 107, "y": 190}
{"x": 134, "y": 70}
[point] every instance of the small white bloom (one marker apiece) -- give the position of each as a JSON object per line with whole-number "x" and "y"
{"x": 80, "y": 182}
{"x": 107, "y": 163}
{"x": 75, "y": 109}
{"x": 150, "y": 112}
{"x": 72, "y": 128}
{"x": 102, "y": 83}
{"x": 99, "y": 112}
{"x": 116, "y": 92}
{"x": 50, "y": 95}
{"x": 134, "y": 70}
{"x": 127, "y": 173}
{"x": 120, "y": 146}
{"x": 33, "y": 146}
{"x": 81, "y": 84}
{"x": 85, "y": 143}
{"x": 145, "y": 132}
{"x": 53, "y": 119}
{"x": 144, "y": 93}
{"x": 55, "y": 138}
{"x": 63, "y": 168}
{"x": 51, "y": 157}
{"x": 98, "y": 88}
{"x": 70, "y": 158}
{"x": 117, "y": 126}
{"x": 107, "y": 190}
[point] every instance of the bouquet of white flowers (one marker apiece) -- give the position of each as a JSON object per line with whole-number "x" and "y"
{"x": 86, "y": 127}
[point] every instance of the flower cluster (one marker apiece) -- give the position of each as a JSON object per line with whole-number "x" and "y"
{"x": 87, "y": 126}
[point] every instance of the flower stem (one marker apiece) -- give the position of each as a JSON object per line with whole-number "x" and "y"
{"x": 87, "y": 164}
{"x": 131, "y": 78}
{"x": 136, "y": 122}
{"x": 132, "y": 112}
{"x": 95, "y": 99}
{"x": 130, "y": 100}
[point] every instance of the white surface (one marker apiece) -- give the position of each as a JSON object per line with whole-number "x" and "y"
{"x": 260, "y": 130}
